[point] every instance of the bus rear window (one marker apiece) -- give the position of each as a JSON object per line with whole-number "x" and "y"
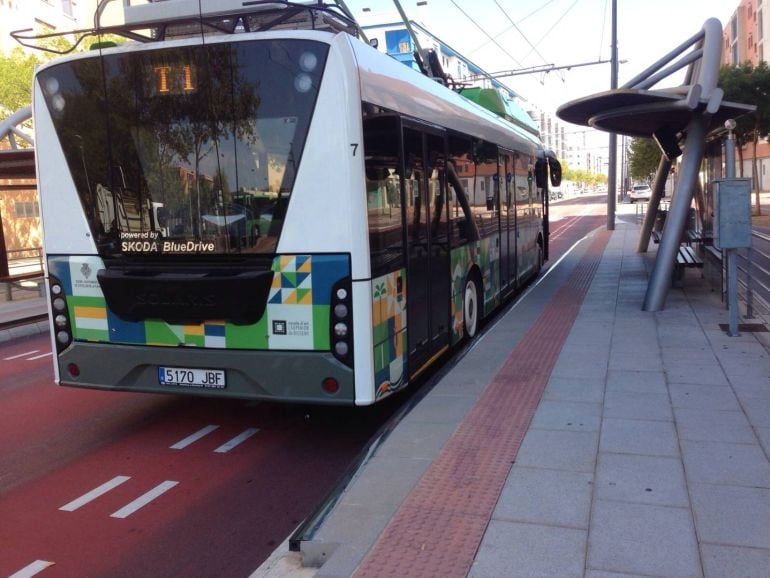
{"x": 186, "y": 150}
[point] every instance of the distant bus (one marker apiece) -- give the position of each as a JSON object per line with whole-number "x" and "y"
{"x": 285, "y": 214}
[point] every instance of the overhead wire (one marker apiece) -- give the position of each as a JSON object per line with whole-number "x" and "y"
{"x": 477, "y": 25}
{"x": 524, "y": 36}
{"x": 555, "y": 24}
{"x": 499, "y": 34}
{"x": 604, "y": 27}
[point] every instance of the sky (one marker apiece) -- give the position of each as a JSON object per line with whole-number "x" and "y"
{"x": 501, "y": 35}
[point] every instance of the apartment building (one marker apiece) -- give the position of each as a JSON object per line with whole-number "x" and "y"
{"x": 393, "y": 38}
{"x": 745, "y": 39}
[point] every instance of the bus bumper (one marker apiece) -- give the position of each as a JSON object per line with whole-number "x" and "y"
{"x": 290, "y": 376}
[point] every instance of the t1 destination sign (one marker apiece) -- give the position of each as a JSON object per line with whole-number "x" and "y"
{"x": 174, "y": 79}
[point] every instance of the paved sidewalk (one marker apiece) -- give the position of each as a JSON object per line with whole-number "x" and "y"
{"x": 20, "y": 316}
{"x": 647, "y": 454}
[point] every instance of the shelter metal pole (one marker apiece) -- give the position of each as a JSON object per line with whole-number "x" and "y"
{"x": 658, "y": 188}
{"x": 613, "y": 156}
{"x": 676, "y": 221}
{"x": 731, "y": 255}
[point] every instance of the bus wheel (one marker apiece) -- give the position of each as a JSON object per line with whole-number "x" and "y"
{"x": 471, "y": 304}
{"x": 540, "y": 259}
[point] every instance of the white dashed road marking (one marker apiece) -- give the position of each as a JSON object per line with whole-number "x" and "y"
{"x": 95, "y": 493}
{"x": 41, "y": 356}
{"x": 143, "y": 500}
{"x": 181, "y": 444}
{"x": 236, "y": 441}
{"x": 32, "y": 569}
{"x": 12, "y": 357}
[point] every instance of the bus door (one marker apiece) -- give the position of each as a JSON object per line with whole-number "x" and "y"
{"x": 526, "y": 225}
{"x": 507, "y": 222}
{"x": 428, "y": 276}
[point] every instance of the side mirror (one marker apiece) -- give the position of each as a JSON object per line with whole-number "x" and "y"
{"x": 555, "y": 168}
{"x": 540, "y": 173}
{"x": 162, "y": 214}
{"x": 374, "y": 43}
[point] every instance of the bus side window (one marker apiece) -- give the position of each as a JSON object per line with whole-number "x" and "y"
{"x": 458, "y": 220}
{"x": 460, "y": 170}
{"x": 383, "y": 193}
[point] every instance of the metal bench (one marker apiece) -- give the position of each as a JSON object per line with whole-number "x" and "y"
{"x": 687, "y": 256}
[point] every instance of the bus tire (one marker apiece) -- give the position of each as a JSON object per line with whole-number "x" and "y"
{"x": 472, "y": 306}
{"x": 540, "y": 257}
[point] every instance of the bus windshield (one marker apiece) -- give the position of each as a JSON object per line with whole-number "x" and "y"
{"x": 186, "y": 150}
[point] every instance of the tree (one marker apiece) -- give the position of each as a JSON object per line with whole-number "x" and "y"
{"x": 643, "y": 159}
{"x": 16, "y": 70}
{"x": 749, "y": 85}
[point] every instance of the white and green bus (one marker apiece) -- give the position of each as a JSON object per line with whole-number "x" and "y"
{"x": 394, "y": 214}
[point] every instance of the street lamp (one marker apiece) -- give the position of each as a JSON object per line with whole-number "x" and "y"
{"x": 730, "y": 149}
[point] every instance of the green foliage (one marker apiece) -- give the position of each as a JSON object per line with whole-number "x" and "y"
{"x": 580, "y": 176}
{"x": 643, "y": 159}
{"x": 747, "y": 84}
{"x": 16, "y": 70}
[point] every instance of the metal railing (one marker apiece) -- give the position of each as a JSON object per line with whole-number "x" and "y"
{"x": 754, "y": 275}
{"x": 25, "y": 270}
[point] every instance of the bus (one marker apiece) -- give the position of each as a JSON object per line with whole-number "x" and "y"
{"x": 393, "y": 214}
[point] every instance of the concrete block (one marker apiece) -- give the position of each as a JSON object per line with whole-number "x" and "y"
{"x": 758, "y": 412}
{"x": 526, "y": 550}
{"x": 567, "y": 415}
{"x": 650, "y": 381}
{"x": 641, "y": 437}
{"x": 583, "y": 389}
{"x": 643, "y": 539}
{"x": 717, "y": 426}
{"x": 641, "y": 479}
{"x": 559, "y": 450}
{"x": 377, "y": 486}
{"x": 416, "y": 440}
{"x": 635, "y": 362}
{"x": 548, "y": 497}
{"x": 633, "y": 405}
{"x": 764, "y": 438}
{"x": 689, "y": 396}
{"x": 577, "y": 364}
{"x": 720, "y": 561}
{"x": 438, "y": 407}
{"x": 699, "y": 374}
{"x": 726, "y": 464}
{"x": 732, "y": 515}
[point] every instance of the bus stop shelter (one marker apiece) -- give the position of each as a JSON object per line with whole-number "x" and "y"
{"x": 679, "y": 119}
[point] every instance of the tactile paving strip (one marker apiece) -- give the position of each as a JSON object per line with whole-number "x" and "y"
{"x": 440, "y": 525}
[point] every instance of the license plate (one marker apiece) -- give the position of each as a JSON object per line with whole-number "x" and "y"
{"x": 192, "y": 377}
